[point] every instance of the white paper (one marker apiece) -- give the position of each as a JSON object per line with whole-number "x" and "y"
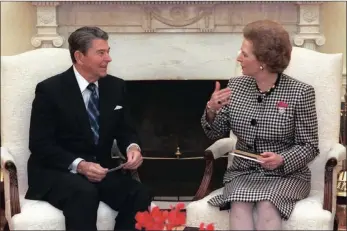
{"x": 246, "y": 157}
{"x": 115, "y": 169}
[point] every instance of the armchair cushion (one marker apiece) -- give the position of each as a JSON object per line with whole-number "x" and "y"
{"x": 40, "y": 215}
{"x": 308, "y": 214}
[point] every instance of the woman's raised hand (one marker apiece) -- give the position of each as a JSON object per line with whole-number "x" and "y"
{"x": 219, "y": 98}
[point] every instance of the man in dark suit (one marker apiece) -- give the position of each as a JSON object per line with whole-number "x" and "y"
{"x": 76, "y": 116}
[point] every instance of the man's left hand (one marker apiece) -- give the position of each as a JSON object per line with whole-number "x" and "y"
{"x": 271, "y": 160}
{"x": 134, "y": 159}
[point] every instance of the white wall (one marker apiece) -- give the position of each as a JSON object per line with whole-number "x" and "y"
{"x": 334, "y": 28}
{"x": 18, "y": 21}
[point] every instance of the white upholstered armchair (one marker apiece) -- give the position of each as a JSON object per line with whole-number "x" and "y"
{"x": 19, "y": 76}
{"x": 317, "y": 212}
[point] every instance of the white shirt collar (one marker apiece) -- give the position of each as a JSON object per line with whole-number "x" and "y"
{"x": 82, "y": 82}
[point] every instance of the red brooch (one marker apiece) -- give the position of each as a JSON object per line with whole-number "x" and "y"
{"x": 281, "y": 105}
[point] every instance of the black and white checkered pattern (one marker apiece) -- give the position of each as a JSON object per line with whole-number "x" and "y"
{"x": 261, "y": 127}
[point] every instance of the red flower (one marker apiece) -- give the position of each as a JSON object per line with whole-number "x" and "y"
{"x": 164, "y": 220}
{"x": 176, "y": 217}
{"x": 208, "y": 227}
{"x": 282, "y": 104}
{"x": 150, "y": 221}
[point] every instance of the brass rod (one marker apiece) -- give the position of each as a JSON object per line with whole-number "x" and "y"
{"x": 174, "y": 158}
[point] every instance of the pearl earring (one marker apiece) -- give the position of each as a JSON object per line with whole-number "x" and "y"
{"x": 261, "y": 67}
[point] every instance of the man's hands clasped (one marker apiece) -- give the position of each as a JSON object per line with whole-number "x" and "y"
{"x": 95, "y": 173}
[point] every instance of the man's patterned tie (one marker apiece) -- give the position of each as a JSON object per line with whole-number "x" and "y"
{"x": 93, "y": 111}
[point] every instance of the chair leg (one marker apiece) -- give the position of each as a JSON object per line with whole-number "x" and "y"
{"x": 336, "y": 223}
{"x": 6, "y": 227}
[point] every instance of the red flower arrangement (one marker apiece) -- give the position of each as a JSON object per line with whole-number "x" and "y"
{"x": 175, "y": 219}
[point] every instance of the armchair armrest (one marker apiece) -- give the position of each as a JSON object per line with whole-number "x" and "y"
{"x": 226, "y": 145}
{"x": 205, "y": 185}
{"x": 8, "y": 166}
{"x": 215, "y": 151}
{"x": 336, "y": 154}
{"x": 221, "y": 147}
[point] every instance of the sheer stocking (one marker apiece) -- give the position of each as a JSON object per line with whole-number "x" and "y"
{"x": 268, "y": 216}
{"x": 241, "y": 216}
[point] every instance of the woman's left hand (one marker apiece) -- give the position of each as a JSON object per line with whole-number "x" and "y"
{"x": 270, "y": 160}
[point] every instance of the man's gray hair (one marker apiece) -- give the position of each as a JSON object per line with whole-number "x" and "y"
{"x": 81, "y": 39}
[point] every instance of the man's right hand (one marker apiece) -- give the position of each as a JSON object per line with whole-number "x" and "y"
{"x": 93, "y": 171}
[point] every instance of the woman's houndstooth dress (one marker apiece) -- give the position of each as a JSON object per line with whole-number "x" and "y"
{"x": 261, "y": 125}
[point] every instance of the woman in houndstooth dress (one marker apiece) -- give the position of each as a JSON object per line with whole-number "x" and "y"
{"x": 272, "y": 115}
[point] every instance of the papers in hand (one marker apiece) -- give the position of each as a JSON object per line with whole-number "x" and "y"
{"x": 246, "y": 155}
{"x": 115, "y": 169}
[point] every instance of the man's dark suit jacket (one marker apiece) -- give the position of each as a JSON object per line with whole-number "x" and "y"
{"x": 60, "y": 129}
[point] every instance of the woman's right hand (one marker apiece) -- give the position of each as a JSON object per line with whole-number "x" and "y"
{"x": 219, "y": 98}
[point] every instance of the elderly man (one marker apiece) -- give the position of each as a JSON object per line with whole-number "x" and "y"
{"x": 76, "y": 116}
